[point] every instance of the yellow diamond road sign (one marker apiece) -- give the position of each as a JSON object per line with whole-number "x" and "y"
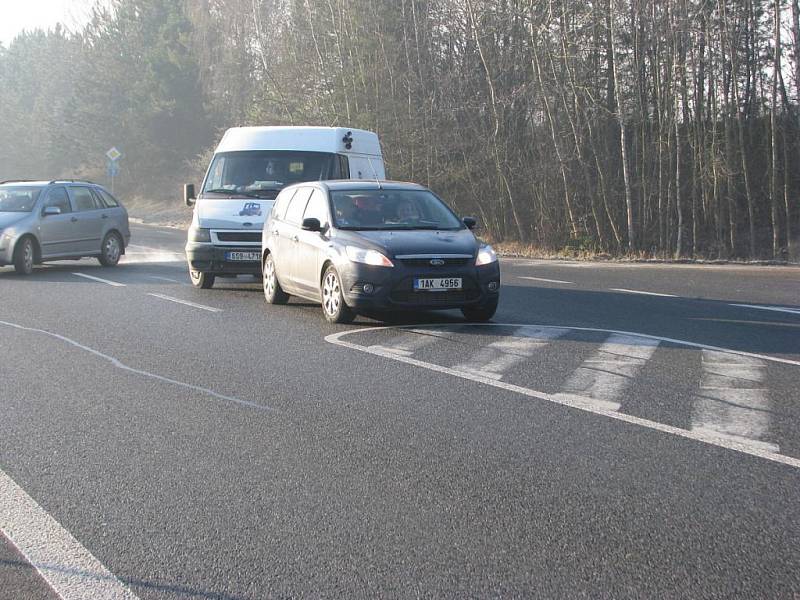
{"x": 113, "y": 154}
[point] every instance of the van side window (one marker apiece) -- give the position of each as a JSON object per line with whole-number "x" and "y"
{"x": 344, "y": 168}
{"x": 294, "y": 214}
{"x": 317, "y": 208}
{"x": 58, "y": 197}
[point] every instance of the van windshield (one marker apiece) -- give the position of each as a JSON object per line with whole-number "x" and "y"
{"x": 263, "y": 173}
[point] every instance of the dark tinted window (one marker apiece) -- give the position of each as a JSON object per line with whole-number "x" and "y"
{"x": 83, "y": 199}
{"x": 317, "y": 208}
{"x": 257, "y": 171}
{"x": 57, "y": 196}
{"x": 107, "y": 199}
{"x": 297, "y": 206}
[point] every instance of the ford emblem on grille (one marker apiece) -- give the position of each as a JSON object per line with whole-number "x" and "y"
{"x": 437, "y": 262}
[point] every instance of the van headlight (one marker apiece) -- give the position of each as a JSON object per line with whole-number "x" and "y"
{"x": 486, "y": 256}
{"x": 367, "y": 257}
{"x": 197, "y": 234}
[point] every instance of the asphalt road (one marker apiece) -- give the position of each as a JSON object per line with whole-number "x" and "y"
{"x": 594, "y": 441}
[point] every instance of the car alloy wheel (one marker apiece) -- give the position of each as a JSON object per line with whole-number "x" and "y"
{"x": 273, "y": 293}
{"x": 333, "y": 305}
{"x": 24, "y": 255}
{"x": 112, "y": 250}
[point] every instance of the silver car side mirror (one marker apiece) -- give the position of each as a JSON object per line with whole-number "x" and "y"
{"x": 50, "y": 211}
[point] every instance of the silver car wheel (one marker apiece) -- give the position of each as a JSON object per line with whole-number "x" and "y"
{"x": 269, "y": 278}
{"x": 331, "y": 296}
{"x": 27, "y": 255}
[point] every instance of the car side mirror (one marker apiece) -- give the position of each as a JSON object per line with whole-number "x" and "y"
{"x": 51, "y": 211}
{"x": 189, "y": 196}
{"x": 470, "y": 222}
{"x": 311, "y": 224}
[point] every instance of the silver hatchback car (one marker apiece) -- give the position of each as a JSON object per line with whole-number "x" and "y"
{"x": 60, "y": 220}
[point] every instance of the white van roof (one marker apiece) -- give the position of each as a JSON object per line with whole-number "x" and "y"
{"x": 310, "y": 139}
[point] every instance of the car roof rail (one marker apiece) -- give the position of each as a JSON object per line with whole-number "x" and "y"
{"x": 16, "y": 181}
{"x": 72, "y": 181}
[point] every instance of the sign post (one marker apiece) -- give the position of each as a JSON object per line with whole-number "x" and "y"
{"x": 112, "y": 166}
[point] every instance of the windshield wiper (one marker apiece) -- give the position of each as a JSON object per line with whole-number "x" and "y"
{"x": 250, "y": 194}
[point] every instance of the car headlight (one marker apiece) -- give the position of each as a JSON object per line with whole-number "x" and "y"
{"x": 196, "y": 234}
{"x": 486, "y": 256}
{"x": 368, "y": 257}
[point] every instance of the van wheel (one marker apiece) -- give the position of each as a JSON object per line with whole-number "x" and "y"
{"x": 479, "y": 314}
{"x": 202, "y": 280}
{"x": 110, "y": 250}
{"x": 273, "y": 292}
{"x": 333, "y": 305}
{"x": 24, "y": 256}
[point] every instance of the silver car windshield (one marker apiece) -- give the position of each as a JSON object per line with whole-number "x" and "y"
{"x": 19, "y": 199}
{"x": 391, "y": 210}
{"x": 263, "y": 173}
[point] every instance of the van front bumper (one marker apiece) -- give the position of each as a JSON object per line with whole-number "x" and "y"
{"x": 208, "y": 258}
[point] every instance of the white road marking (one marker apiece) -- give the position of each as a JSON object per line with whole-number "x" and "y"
{"x": 643, "y": 293}
{"x": 409, "y": 342}
{"x": 732, "y": 400}
{"x": 706, "y": 437}
{"x": 494, "y": 360}
{"x": 67, "y": 567}
{"x": 545, "y": 280}
{"x": 791, "y": 311}
{"x": 164, "y": 279}
{"x": 98, "y": 279}
{"x": 120, "y": 365}
{"x": 186, "y": 302}
{"x": 605, "y": 376}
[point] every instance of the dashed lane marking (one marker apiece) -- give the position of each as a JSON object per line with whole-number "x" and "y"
{"x": 545, "y": 280}
{"x": 791, "y": 311}
{"x": 647, "y": 344}
{"x": 99, "y": 280}
{"x": 62, "y": 561}
{"x": 186, "y": 302}
{"x": 642, "y": 292}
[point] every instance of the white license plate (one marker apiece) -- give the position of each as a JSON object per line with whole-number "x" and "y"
{"x": 439, "y": 284}
{"x": 243, "y": 256}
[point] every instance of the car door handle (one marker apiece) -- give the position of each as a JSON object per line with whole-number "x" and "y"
{"x": 74, "y": 219}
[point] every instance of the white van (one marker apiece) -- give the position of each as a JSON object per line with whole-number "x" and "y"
{"x": 250, "y": 166}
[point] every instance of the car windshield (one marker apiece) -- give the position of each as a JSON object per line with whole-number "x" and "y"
{"x": 391, "y": 210}
{"x": 263, "y": 173}
{"x": 19, "y": 199}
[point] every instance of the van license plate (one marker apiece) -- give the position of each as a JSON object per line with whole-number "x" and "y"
{"x": 437, "y": 284}
{"x": 243, "y": 256}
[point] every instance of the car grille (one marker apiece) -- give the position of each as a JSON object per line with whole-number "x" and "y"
{"x": 239, "y": 236}
{"x": 426, "y": 262}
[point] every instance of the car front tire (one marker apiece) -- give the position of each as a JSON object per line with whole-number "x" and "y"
{"x": 480, "y": 314}
{"x": 202, "y": 280}
{"x": 333, "y": 304}
{"x": 24, "y": 256}
{"x": 273, "y": 292}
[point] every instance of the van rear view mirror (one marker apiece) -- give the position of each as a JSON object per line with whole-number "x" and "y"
{"x": 189, "y": 196}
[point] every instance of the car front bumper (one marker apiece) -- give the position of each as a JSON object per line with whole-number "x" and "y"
{"x": 208, "y": 258}
{"x": 393, "y": 287}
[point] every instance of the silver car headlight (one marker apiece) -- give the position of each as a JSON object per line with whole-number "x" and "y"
{"x": 486, "y": 256}
{"x": 368, "y": 257}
